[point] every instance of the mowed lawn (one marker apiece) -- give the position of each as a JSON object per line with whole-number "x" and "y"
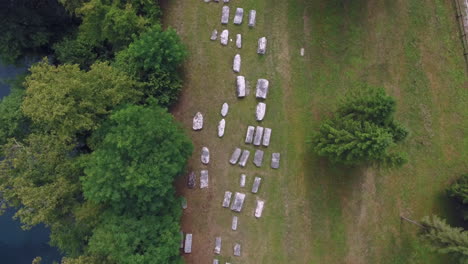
{"x": 316, "y": 212}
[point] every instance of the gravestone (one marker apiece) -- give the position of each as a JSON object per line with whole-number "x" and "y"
{"x": 221, "y": 127}
{"x": 260, "y": 112}
{"x": 184, "y": 203}
{"x": 224, "y": 37}
{"x": 188, "y": 244}
{"x": 224, "y": 109}
{"x": 235, "y": 156}
{"x": 256, "y": 184}
{"x": 258, "y": 158}
{"x": 191, "y": 181}
{"x": 225, "y": 15}
{"x": 227, "y": 199}
{"x": 239, "y": 41}
{"x": 236, "y": 65}
{"x": 198, "y": 121}
{"x": 266, "y": 137}
{"x": 214, "y": 35}
{"x": 262, "y": 88}
{"x": 240, "y": 84}
{"x": 243, "y": 178}
{"x": 237, "y": 250}
{"x": 258, "y": 136}
{"x": 234, "y": 223}
{"x": 262, "y": 42}
{"x": 203, "y": 179}
{"x": 217, "y": 249}
{"x": 239, "y": 198}
{"x": 244, "y": 158}
{"x": 259, "y": 208}
{"x": 252, "y": 17}
{"x": 275, "y": 160}
{"x": 205, "y": 155}
{"x": 249, "y": 135}
{"x": 239, "y": 15}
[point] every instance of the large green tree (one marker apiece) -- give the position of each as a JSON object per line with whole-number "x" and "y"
{"x": 459, "y": 192}
{"x": 362, "y": 131}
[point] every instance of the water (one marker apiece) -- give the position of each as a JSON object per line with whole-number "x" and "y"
{"x": 18, "y": 246}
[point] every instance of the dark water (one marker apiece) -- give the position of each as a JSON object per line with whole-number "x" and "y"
{"x": 18, "y": 246}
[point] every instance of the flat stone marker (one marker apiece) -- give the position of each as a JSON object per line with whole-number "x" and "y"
{"x": 224, "y": 37}
{"x": 239, "y": 41}
{"x": 239, "y": 15}
{"x": 240, "y": 86}
{"x": 275, "y": 160}
{"x": 244, "y": 158}
{"x": 192, "y": 180}
{"x": 237, "y": 250}
{"x": 259, "y": 208}
{"x": 262, "y": 88}
{"x": 236, "y": 65}
{"x": 221, "y": 127}
{"x": 238, "y": 202}
{"x": 266, "y": 137}
{"x": 256, "y": 184}
{"x": 205, "y": 155}
{"x": 302, "y": 52}
{"x": 188, "y": 244}
{"x": 258, "y": 158}
{"x": 224, "y": 109}
{"x": 249, "y": 136}
{"x": 181, "y": 239}
{"x": 226, "y": 1}
{"x": 217, "y": 249}
{"x": 258, "y": 136}
{"x": 235, "y": 156}
{"x": 203, "y": 179}
{"x": 225, "y": 15}
{"x": 214, "y": 35}
{"x": 260, "y": 112}
{"x": 243, "y": 178}
{"x": 262, "y": 42}
{"x": 215, "y": 261}
{"x": 234, "y": 223}
{"x": 198, "y": 121}
{"x": 252, "y": 17}
{"x": 227, "y": 199}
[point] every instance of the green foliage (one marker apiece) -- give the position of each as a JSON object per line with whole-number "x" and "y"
{"x": 68, "y": 101}
{"x": 459, "y": 192}
{"x": 362, "y": 131}
{"x": 445, "y": 239}
{"x": 74, "y": 51}
{"x": 139, "y": 152}
{"x": 154, "y": 59}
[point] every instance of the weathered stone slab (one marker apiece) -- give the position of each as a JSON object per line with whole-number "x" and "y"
{"x": 225, "y": 15}
{"x": 302, "y": 52}
{"x": 236, "y": 65}
{"x": 227, "y": 199}
{"x": 275, "y": 160}
{"x": 262, "y": 42}
{"x": 234, "y": 223}
{"x": 221, "y": 127}
{"x": 214, "y": 35}
{"x": 239, "y": 15}
{"x": 181, "y": 239}
{"x": 224, "y": 37}
{"x": 258, "y": 136}
{"x": 204, "y": 179}
{"x": 238, "y": 202}
{"x": 226, "y": 1}
{"x": 240, "y": 84}
{"x": 252, "y": 18}
{"x": 249, "y": 135}
{"x": 192, "y": 180}
{"x": 258, "y": 158}
{"x": 243, "y": 178}
{"x": 259, "y": 208}
{"x": 188, "y": 244}
{"x": 237, "y": 250}
{"x": 217, "y": 249}
{"x": 184, "y": 203}
{"x": 244, "y": 158}
{"x": 260, "y": 112}
{"x": 215, "y": 261}
{"x": 205, "y": 155}
{"x": 239, "y": 41}
{"x": 266, "y": 137}
{"x": 198, "y": 121}
{"x": 262, "y": 88}
{"x": 224, "y": 109}
{"x": 235, "y": 156}
{"x": 256, "y": 184}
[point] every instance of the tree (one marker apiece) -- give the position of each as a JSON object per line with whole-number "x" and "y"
{"x": 459, "y": 192}
{"x": 445, "y": 239}
{"x": 68, "y": 101}
{"x": 137, "y": 154}
{"x": 362, "y": 131}
{"x": 154, "y": 59}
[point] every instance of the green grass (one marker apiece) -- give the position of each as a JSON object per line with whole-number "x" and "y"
{"x": 317, "y": 213}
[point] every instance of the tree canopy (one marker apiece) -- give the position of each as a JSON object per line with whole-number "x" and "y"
{"x": 459, "y": 192}
{"x": 362, "y": 131}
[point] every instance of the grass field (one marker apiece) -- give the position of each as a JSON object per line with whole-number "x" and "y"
{"x": 317, "y": 213}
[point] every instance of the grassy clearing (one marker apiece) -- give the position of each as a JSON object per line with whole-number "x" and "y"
{"x": 316, "y": 213}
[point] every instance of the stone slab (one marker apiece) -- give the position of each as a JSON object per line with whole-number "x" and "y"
{"x": 239, "y": 41}
{"x": 214, "y": 35}
{"x": 239, "y": 15}
{"x": 259, "y": 208}
{"x": 224, "y": 37}
{"x": 215, "y": 261}
{"x": 235, "y": 156}
{"x": 239, "y": 198}
{"x": 205, "y": 155}
{"x": 256, "y": 184}
{"x": 225, "y": 15}
{"x": 217, "y": 249}
{"x": 240, "y": 86}
{"x": 221, "y": 127}
{"x": 258, "y": 158}
{"x": 198, "y": 121}
{"x": 237, "y": 250}
{"x": 266, "y": 137}
{"x": 260, "y": 111}
{"x": 244, "y": 158}
{"x": 227, "y": 199}
{"x": 191, "y": 180}
{"x": 262, "y": 87}
{"x": 234, "y": 223}
{"x": 275, "y": 160}
{"x": 224, "y": 109}
{"x": 188, "y": 244}
{"x": 262, "y": 42}
{"x": 236, "y": 64}
{"x": 243, "y": 179}
{"x": 249, "y": 136}
{"x": 258, "y": 136}
{"x": 252, "y": 18}
{"x": 204, "y": 179}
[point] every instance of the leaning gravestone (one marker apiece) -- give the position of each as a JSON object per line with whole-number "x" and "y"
{"x": 262, "y": 42}
{"x": 250, "y": 135}
{"x": 205, "y": 155}
{"x": 260, "y": 113}
{"x": 266, "y": 137}
{"x": 235, "y": 156}
{"x": 256, "y": 184}
{"x": 234, "y": 223}
{"x": 214, "y": 35}
{"x": 188, "y": 244}
{"x": 227, "y": 199}
{"x": 239, "y": 41}
{"x": 204, "y": 179}
{"x": 236, "y": 65}
{"x": 225, "y": 15}
{"x": 240, "y": 84}
{"x": 252, "y": 16}
{"x": 239, "y": 15}
{"x": 238, "y": 202}
{"x": 217, "y": 249}
{"x": 259, "y": 208}
{"x": 237, "y": 250}
{"x": 258, "y": 158}
{"x": 191, "y": 181}
{"x": 224, "y": 109}
{"x": 221, "y": 127}
{"x": 198, "y": 121}
{"x": 243, "y": 178}
{"x": 262, "y": 88}
{"x": 224, "y": 37}
{"x": 243, "y": 159}
{"x": 258, "y": 136}
{"x": 275, "y": 160}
